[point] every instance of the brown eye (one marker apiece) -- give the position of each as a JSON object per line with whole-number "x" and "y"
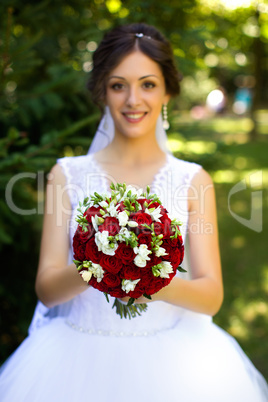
{"x": 117, "y": 86}
{"x": 149, "y": 85}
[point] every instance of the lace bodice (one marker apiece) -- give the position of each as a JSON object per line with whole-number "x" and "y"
{"x": 84, "y": 176}
{"x": 89, "y": 311}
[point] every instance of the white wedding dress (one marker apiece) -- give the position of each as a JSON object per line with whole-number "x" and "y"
{"x": 83, "y": 352}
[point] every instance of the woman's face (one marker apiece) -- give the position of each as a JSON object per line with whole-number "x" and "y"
{"x": 135, "y": 94}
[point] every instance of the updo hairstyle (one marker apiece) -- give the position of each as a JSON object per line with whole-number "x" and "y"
{"x": 120, "y": 42}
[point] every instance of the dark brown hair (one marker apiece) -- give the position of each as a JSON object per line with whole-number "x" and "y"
{"x": 120, "y": 42}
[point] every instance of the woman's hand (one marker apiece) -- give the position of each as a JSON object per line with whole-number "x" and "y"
{"x": 204, "y": 292}
{"x": 56, "y": 281}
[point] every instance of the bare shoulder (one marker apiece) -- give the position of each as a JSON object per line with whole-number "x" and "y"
{"x": 56, "y": 175}
{"x": 201, "y": 191}
{"x": 202, "y": 177}
{"x": 57, "y": 189}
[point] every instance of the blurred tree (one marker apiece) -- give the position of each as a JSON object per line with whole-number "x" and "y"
{"x": 43, "y": 106}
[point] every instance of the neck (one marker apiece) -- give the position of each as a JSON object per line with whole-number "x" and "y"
{"x": 130, "y": 151}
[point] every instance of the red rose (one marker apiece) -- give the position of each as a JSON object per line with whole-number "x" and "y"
{"x": 154, "y": 260}
{"x": 154, "y": 205}
{"x": 92, "y": 211}
{"x": 141, "y": 218}
{"x": 130, "y": 271}
{"x": 101, "y": 286}
{"x": 125, "y": 253}
{"x": 177, "y": 257}
{"x": 145, "y": 237}
{"x": 142, "y": 201}
{"x": 165, "y": 218}
{"x": 137, "y": 292}
{"x": 152, "y": 284}
{"x": 111, "y": 263}
{"x": 169, "y": 249}
{"x": 91, "y": 252}
{"x": 84, "y": 236}
{"x": 163, "y": 228}
{"x": 147, "y": 276}
{"x": 171, "y": 243}
{"x": 180, "y": 240}
{"x": 158, "y": 228}
{"x": 117, "y": 292}
{"x": 79, "y": 249}
{"x": 111, "y": 225}
{"x": 168, "y": 231}
{"x": 111, "y": 280}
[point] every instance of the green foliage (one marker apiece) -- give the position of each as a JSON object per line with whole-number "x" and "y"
{"x": 243, "y": 252}
{"x": 43, "y": 106}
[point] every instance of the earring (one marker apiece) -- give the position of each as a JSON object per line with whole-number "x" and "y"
{"x": 105, "y": 123}
{"x": 166, "y": 124}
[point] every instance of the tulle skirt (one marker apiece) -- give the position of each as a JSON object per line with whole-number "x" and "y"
{"x": 193, "y": 361}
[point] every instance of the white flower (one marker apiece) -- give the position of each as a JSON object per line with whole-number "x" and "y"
{"x": 155, "y": 214}
{"x": 129, "y": 285}
{"x": 94, "y": 220}
{"x": 134, "y": 191}
{"x": 112, "y": 210}
{"x": 122, "y": 218}
{"x": 124, "y": 234}
{"x": 139, "y": 261}
{"x": 103, "y": 204}
{"x": 102, "y": 241}
{"x": 97, "y": 271}
{"x": 142, "y": 255}
{"x": 166, "y": 269}
{"x": 140, "y": 207}
{"x": 133, "y": 224}
{"x": 161, "y": 251}
{"x": 144, "y": 251}
{"x": 86, "y": 275}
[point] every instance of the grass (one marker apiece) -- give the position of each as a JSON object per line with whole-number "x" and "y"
{"x": 222, "y": 146}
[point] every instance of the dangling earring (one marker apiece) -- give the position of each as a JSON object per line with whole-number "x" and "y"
{"x": 165, "y": 117}
{"x": 105, "y": 123}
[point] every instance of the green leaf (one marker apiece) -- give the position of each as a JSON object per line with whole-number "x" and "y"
{"x": 147, "y": 296}
{"x": 180, "y": 269}
{"x": 131, "y": 301}
{"x": 107, "y": 297}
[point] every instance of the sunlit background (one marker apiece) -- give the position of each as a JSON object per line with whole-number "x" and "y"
{"x": 220, "y": 120}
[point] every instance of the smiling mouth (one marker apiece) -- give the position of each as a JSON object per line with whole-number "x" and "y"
{"x": 134, "y": 117}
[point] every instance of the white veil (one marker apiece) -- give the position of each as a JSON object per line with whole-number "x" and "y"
{"x": 105, "y": 133}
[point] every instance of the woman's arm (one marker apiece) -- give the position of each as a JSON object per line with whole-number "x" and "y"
{"x": 56, "y": 282}
{"x": 204, "y": 293}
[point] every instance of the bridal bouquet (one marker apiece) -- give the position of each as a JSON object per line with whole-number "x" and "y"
{"x": 126, "y": 245}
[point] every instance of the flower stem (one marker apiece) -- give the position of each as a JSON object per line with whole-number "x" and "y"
{"x": 129, "y": 311}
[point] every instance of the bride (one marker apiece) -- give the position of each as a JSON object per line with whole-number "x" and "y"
{"x": 78, "y": 348}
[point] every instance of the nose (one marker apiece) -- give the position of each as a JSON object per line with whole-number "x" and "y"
{"x": 133, "y": 97}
